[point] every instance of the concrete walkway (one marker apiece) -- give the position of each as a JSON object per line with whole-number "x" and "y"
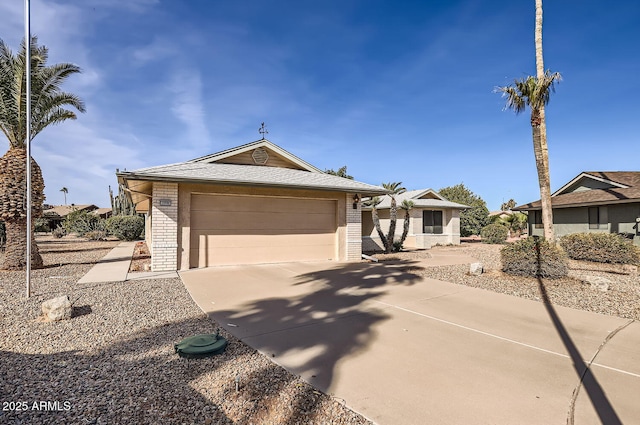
{"x": 399, "y": 348}
{"x": 114, "y": 267}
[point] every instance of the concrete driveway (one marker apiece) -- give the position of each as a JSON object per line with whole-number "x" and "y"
{"x": 399, "y": 348}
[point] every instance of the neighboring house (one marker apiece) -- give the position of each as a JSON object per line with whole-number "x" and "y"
{"x": 103, "y": 212}
{"x": 432, "y": 220}
{"x": 255, "y": 203}
{"x": 56, "y": 214}
{"x": 594, "y": 201}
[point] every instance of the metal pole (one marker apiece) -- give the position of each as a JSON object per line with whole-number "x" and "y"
{"x": 27, "y": 38}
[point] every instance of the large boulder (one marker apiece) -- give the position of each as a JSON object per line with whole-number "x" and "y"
{"x": 59, "y": 308}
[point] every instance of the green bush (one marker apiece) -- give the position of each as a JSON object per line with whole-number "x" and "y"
{"x": 600, "y": 248}
{"x": 41, "y": 225}
{"x": 126, "y": 227}
{"x": 494, "y": 233}
{"x": 533, "y": 257}
{"x": 82, "y": 222}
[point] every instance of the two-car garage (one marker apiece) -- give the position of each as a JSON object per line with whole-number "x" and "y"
{"x": 240, "y": 229}
{"x": 252, "y": 204}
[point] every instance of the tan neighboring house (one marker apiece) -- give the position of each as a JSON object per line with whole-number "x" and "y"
{"x": 593, "y": 201}
{"x": 56, "y": 214}
{"x": 256, "y": 203}
{"x": 432, "y": 220}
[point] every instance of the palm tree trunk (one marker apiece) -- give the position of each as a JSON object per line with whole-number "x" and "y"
{"x": 393, "y": 217}
{"x": 540, "y": 147}
{"x": 538, "y": 40}
{"x": 376, "y": 222}
{"x": 405, "y": 227}
{"x": 542, "y": 166}
{"x": 15, "y": 257}
{"x": 13, "y": 202}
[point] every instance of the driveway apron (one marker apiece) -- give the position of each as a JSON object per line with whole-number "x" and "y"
{"x": 400, "y": 348}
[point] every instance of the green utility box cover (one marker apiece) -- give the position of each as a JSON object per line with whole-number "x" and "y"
{"x": 202, "y": 345}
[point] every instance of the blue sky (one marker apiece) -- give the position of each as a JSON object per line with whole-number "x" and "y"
{"x": 397, "y": 91}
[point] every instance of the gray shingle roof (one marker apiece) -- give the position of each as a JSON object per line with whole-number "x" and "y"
{"x": 420, "y": 203}
{"x": 631, "y": 193}
{"x": 250, "y": 175}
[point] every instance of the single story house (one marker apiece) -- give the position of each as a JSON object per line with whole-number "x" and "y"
{"x": 432, "y": 220}
{"x": 55, "y": 215}
{"x": 594, "y": 201}
{"x": 255, "y": 203}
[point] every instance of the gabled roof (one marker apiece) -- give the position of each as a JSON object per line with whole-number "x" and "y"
{"x": 423, "y": 198}
{"x": 594, "y": 188}
{"x": 220, "y": 168}
{"x": 265, "y": 144}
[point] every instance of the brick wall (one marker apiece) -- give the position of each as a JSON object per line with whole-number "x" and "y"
{"x": 354, "y": 229}
{"x": 164, "y": 230}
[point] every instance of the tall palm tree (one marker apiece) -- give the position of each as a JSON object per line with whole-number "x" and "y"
{"x": 406, "y": 205}
{"x": 65, "y": 191}
{"x": 394, "y": 189}
{"x": 535, "y": 92}
{"x": 48, "y": 106}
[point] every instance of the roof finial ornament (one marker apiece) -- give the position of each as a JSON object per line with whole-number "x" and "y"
{"x": 262, "y": 130}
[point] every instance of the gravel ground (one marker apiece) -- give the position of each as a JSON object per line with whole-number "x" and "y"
{"x": 114, "y": 363}
{"x": 622, "y": 299}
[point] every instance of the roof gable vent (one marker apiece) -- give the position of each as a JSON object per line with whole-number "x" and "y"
{"x": 260, "y": 156}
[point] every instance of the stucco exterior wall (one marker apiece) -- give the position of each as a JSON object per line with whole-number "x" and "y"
{"x": 415, "y": 239}
{"x": 620, "y": 218}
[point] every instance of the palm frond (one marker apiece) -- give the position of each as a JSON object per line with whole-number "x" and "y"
{"x": 49, "y": 104}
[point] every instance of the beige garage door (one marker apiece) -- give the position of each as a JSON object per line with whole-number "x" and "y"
{"x": 228, "y": 229}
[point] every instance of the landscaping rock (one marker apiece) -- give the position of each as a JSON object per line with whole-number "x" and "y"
{"x": 476, "y": 269}
{"x": 629, "y": 269}
{"x": 598, "y": 282}
{"x": 59, "y": 308}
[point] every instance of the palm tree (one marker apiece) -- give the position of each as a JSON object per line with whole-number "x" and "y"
{"x": 373, "y": 203}
{"x": 534, "y": 92}
{"x": 65, "y": 191}
{"x": 406, "y": 205}
{"x": 394, "y": 189}
{"x": 48, "y": 104}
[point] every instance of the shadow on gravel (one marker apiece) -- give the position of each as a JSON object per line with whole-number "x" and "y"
{"x": 330, "y": 322}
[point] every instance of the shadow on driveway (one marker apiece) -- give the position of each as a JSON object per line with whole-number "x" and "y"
{"x": 322, "y": 300}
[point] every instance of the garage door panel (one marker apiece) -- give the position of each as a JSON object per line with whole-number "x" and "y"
{"x": 231, "y": 203}
{"x": 230, "y": 229}
{"x": 243, "y": 221}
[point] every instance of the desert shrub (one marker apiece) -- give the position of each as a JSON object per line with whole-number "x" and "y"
{"x": 125, "y": 227}
{"x": 600, "y": 248}
{"x": 82, "y": 222}
{"x": 533, "y": 257}
{"x": 58, "y": 232}
{"x": 494, "y": 233}
{"x": 397, "y": 246}
{"x": 96, "y": 235}
{"x": 41, "y": 225}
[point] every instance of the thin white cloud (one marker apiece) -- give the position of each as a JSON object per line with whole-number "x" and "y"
{"x": 186, "y": 88}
